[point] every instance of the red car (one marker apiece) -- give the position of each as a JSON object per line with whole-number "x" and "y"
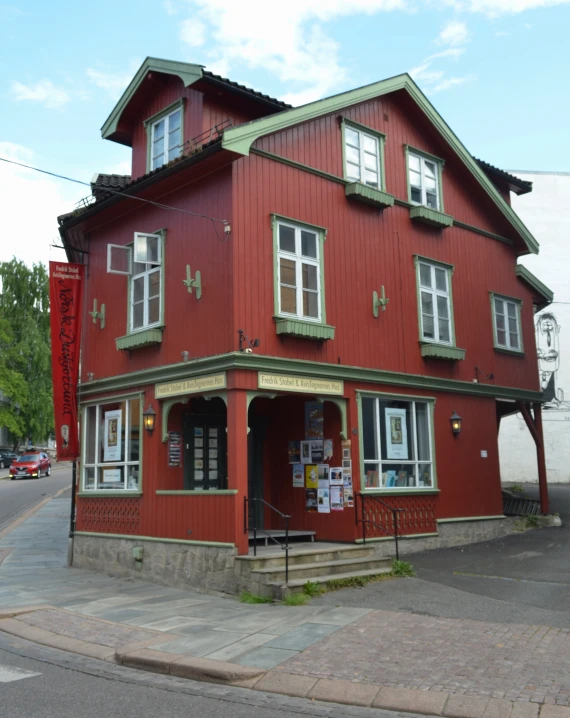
{"x": 30, "y": 465}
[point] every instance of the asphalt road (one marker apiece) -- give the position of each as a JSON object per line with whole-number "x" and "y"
{"x": 19, "y": 495}
{"x": 69, "y": 686}
{"x": 521, "y": 578}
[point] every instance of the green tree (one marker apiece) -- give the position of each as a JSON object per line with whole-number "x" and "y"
{"x": 25, "y": 351}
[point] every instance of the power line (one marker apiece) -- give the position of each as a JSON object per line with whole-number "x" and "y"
{"x": 122, "y": 194}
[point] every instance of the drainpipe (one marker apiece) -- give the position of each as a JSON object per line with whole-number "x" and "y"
{"x": 72, "y": 515}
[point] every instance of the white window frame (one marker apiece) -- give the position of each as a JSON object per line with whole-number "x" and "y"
{"x": 517, "y": 304}
{"x": 362, "y": 156}
{"x": 415, "y": 463}
{"x": 150, "y": 268}
{"x": 299, "y": 260}
{"x": 99, "y": 466}
{"x": 437, "y": 168}
{"x": 435, "y": 293}
{"x": 165, "y": 150}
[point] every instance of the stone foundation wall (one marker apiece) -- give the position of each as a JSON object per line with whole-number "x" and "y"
{"x": 170, "y": 564}
{"x": 455, "y": 533}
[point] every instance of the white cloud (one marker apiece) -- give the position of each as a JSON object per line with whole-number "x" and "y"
{"x": 494, "y": 8}
{"x": 44, "y": 91}
{"x": 113, "y": 82}
{"x": 455, "y": 34}
{"x": 299, "y": 53}
{"x": 193, "y": 32}
{"x": 39, "y": 199}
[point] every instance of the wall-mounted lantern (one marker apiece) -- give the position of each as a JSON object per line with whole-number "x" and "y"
{"x": 148, "y": 419}
{"x": 455, "y": 420}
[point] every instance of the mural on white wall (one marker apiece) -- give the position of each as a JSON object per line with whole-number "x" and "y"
{"x": 548, "y": 351}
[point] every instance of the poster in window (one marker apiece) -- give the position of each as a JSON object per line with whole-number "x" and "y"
{"x": 112, "y": 436}
{"x": 294, "y": 452}
{"x": 311, "y": 476}
{"x": 396, "y": 434}
{"x": 314, "y": 420}
{"x": 311, "y": 501}
{"x": 371, "y": 479}
{"x": 212, "y": 432}
{"x": 213, "y": 443}
{"x": 174, "y": 448}
{"x": 335, "y": 476}
{"x": 298, "y": 476}
{"x": 198, "y": 431}
{"x": 112, "y": 476}
{"x": 337, "y": 498}
{"x": 317, "y": 452}
{"x": 348, "y": 490}
{"x": 323, "y": 501}
{"x": 305, "y": 452}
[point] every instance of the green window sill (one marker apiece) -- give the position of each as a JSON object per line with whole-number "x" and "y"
{"x": 369, "y": 195}
{"x": 196, "y": 492}
{"x": 118, "y": 494}
{"x": 306, "y": 330}
{"x": 431, "y": 217}
{"x": 413, "y": 490}
{"x": 144, "y": 338}
{"x": 511, "y": 352}
{"x": 442, "y": 351}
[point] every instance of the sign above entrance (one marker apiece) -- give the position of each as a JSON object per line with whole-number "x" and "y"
{"x": 302, "y": 384}
{"x": 190, "y": 386}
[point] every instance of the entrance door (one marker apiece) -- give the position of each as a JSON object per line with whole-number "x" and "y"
{"x": 205, "y": 453}
{"x": 255, "y": 442}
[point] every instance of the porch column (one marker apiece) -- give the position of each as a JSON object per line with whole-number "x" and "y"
{"x": 535, "y": 427}
{"x": 237, "y": 461}
{"x": 541, "y": 460}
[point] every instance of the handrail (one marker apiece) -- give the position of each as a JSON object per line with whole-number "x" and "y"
{"x": 255, "y": 529}
{"x": 365, "y": 521}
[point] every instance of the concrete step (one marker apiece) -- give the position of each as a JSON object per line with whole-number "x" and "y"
{"x": 297, "y": 555}
{"x": 310, "y": 571}
{"x": 280, "y": 590}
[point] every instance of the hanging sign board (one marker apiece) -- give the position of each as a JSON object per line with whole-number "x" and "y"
{"x": 66, "y": 305}
{"x": 299, "y": 384}
{"x": 190, "y": 386}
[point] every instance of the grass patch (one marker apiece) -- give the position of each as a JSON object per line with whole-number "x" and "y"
{"x": 402, "y": 568}
{"x": 247, "y": 597}
{"x": 531, "y": 522}
{"x": 312, "y": 589}
{"x": 295, "y": 599}
{"x": 516, "y": 488}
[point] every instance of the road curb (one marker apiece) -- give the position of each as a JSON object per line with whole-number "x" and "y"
{"x": 30, "y": 512}
{"x": 406, "y": 700}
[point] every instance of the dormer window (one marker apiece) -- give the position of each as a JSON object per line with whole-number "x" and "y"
{"x": 166, "y": 139}
{"x": 165, "y": 136}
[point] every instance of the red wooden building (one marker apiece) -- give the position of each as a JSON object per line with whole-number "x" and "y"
{"x": 344, "y": 272}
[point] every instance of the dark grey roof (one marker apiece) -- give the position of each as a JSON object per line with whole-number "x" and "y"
{"x": 207, "y": 75}
{"x": 102, "y": 181}
{"x": 516, "y": 185}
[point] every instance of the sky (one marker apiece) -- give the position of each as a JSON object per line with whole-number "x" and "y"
{"x": 496, "y": 70}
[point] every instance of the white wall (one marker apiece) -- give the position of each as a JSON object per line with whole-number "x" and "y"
{"x": 546, "y": 212}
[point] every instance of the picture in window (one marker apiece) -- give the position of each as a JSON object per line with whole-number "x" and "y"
{"x": 112, "y": 436}
{"x": 396, "y": 434}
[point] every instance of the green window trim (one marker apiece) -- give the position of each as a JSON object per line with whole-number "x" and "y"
{"x": 450, "y": 268}
{"x": 369, "y": 195}
{"x": 380, "y": 136}
{"x": 286, "y": 322}
{"x": 519, "y": 304}
{"x": 119, "y": 493}
{"x": 434, "y": 350}
{"x": 145, "y": 336}
{"x": 430, "y": 401}
{"x": 439, "y": 163}
{"x": 431, "y": 217}
{"x": 196, "y": 492}
{"x": 149, "y": 122}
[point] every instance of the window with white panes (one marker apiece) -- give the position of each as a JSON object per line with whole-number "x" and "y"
{"x": 111, "y": 446}
{"x": 299, "y": 271}
{"x": 362, "y": 154}
{"x": 397, "y": 443}
{"x": 146, "y": 281}
{"x": 166, "y": 139}
{"x": 506, "y": 316}
{"x": 423, "y": 176}
{"x": 435, "y": 303}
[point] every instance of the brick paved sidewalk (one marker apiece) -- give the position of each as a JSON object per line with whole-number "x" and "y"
{"x": 529, "y": 664}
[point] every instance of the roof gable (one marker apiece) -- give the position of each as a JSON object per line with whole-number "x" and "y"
{"x": 240, "y": 139}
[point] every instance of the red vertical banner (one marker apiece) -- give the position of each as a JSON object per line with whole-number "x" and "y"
{"x": 66, "y": 309}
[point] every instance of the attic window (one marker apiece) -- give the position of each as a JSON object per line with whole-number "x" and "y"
{"x": 166, "y": 139}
